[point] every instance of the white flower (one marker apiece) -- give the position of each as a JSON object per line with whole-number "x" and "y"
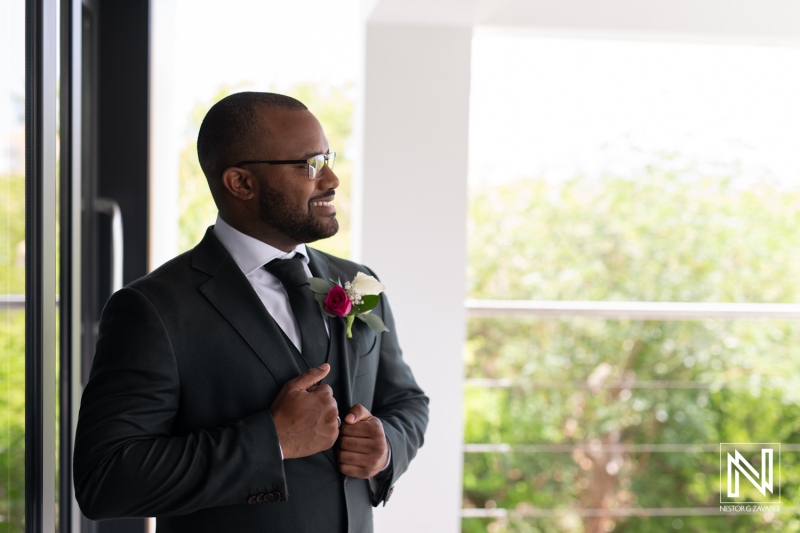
{"x": 353, "y": 293}
{"x": 364, "y": 285}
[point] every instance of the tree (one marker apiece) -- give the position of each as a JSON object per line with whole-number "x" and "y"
{"x": 662, "y": 235}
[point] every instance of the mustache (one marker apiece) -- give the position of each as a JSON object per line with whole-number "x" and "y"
{"x": 325, "y": 197}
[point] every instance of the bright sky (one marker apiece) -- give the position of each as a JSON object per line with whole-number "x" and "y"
{"x": 12, "y": 78}
{"x": 562, "y": 106}
{"x": 537, "y": 105}
{"x": 263, "y": 42}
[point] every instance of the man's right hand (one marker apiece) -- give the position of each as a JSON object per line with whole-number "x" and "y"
{"x": 305, "y": 414}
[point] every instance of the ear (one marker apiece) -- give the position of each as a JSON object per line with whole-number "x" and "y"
{"x": 239, "y": 183}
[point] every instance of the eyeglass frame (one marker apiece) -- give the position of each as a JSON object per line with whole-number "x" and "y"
{"x": 317, "y": 173}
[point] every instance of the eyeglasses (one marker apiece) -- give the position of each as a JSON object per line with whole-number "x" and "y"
{"x": 315, "y": 163}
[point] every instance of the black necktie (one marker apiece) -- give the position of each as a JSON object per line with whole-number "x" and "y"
{"x": 314, "y": 336}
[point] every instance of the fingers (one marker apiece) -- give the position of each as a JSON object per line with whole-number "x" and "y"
{"x": 365, "y": 429}
{"x": 371, "y": 429}
{"x": 375, "y": 458}
{"x": 363, "y": 457}
{"x": 357, "y": 465}
{"x": 357, "y": 413}
{"x": 321, "y": 399}
{"x": 310, "y": 377}
{"x": 359, "y": 445}
{"x": 305, "y": 414}
{"x": 321, "y": 389}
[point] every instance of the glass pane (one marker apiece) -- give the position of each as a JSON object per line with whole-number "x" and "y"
{"x": 574, "y": 416}
{"x": 12, "y": 266}
{"x": 328, "y": 88}
{"x": 651, "y": 171}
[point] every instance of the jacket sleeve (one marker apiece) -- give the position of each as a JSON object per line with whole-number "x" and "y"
{"x": 400, "y": 404}
{"x": 127, "y": 462}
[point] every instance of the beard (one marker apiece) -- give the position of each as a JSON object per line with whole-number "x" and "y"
{"x": 275, "y": 211}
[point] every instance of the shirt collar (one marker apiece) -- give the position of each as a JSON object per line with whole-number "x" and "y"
{"x": 251, "y": 254}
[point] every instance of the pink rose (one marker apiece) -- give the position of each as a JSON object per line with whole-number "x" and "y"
{"x": 337, "y": 301}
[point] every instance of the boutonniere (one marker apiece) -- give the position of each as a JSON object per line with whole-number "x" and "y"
{"x": 354, "y": 299}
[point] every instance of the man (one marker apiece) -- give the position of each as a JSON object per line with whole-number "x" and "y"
{"x": 219, "y": 399}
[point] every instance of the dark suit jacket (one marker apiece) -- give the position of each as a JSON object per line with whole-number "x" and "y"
{"x": 175, "y": 420}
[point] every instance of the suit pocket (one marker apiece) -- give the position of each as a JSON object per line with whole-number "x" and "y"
{"x": 363, "y": 340}
{"x": 364, "y": 346}
{"x": 367, "y": 364}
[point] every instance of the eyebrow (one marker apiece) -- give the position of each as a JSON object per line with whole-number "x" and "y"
{"x": 316, "y": 152}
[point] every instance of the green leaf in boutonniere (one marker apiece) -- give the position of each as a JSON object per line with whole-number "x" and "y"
{"x": 320, "y": 286}
{"x": 369, "y": 301}
{"x": 320, "y": 289}
{"x": 374, "y": 322}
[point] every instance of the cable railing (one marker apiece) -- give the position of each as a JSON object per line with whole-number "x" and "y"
{"x": 603, "y": 448}
{"x": 622, "y": 310}
{"x": 631, "y": 310}
{"x": 14, "y": 302}
{"x": 505, "y": 383}
{"x": 618, "y": 512}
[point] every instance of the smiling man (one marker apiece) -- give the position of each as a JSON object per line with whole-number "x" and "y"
{"x": 221, "y": 397}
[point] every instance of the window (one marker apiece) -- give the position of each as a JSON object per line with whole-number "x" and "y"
{"x": 612, "y": 177}
{"x": 12, "y": 267}
{"x": 206, "y": 70}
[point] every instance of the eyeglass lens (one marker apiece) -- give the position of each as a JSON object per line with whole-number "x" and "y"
{"x": 318, "y": 162}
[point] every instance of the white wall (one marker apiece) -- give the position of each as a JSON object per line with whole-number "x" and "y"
{"x": 412, "y": 226}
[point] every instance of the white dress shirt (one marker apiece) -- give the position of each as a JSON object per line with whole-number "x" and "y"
{"x": 251, "y": 255}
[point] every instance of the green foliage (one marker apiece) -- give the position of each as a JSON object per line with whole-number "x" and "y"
{"x": 12, "y": 436}
{"x": 663, "y": 235}
{"x": 334, "y": 109}
{"x": 12, "y": 233}
{"x": 12, "y": 356}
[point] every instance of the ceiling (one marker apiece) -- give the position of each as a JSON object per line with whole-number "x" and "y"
{"x": 760, "y": 21}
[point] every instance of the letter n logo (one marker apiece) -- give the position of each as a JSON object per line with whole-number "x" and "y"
{"x": 759, "y": 476}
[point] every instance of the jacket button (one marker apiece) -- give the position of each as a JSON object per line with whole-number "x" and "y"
{"x": 260, "y": 498}
{"x": 276, "y": 495}
{"x": 269, "y": 498}
{"x": 251, "y": 499}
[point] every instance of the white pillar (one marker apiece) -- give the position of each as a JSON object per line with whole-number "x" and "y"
{"x": 164, "y": 137}
{"x": 412, "y": 223}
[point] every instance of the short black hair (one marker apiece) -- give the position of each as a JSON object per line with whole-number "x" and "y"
{"x": 232, "y": 122}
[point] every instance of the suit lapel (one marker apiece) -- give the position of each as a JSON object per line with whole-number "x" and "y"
{"x": 232, "y": 295}
{"x": 320, "y": 268}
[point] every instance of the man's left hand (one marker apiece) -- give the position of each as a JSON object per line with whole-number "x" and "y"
{"x": 363, "y": 449}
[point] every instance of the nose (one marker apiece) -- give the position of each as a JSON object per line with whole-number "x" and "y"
{"x": 328, "y": 180}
